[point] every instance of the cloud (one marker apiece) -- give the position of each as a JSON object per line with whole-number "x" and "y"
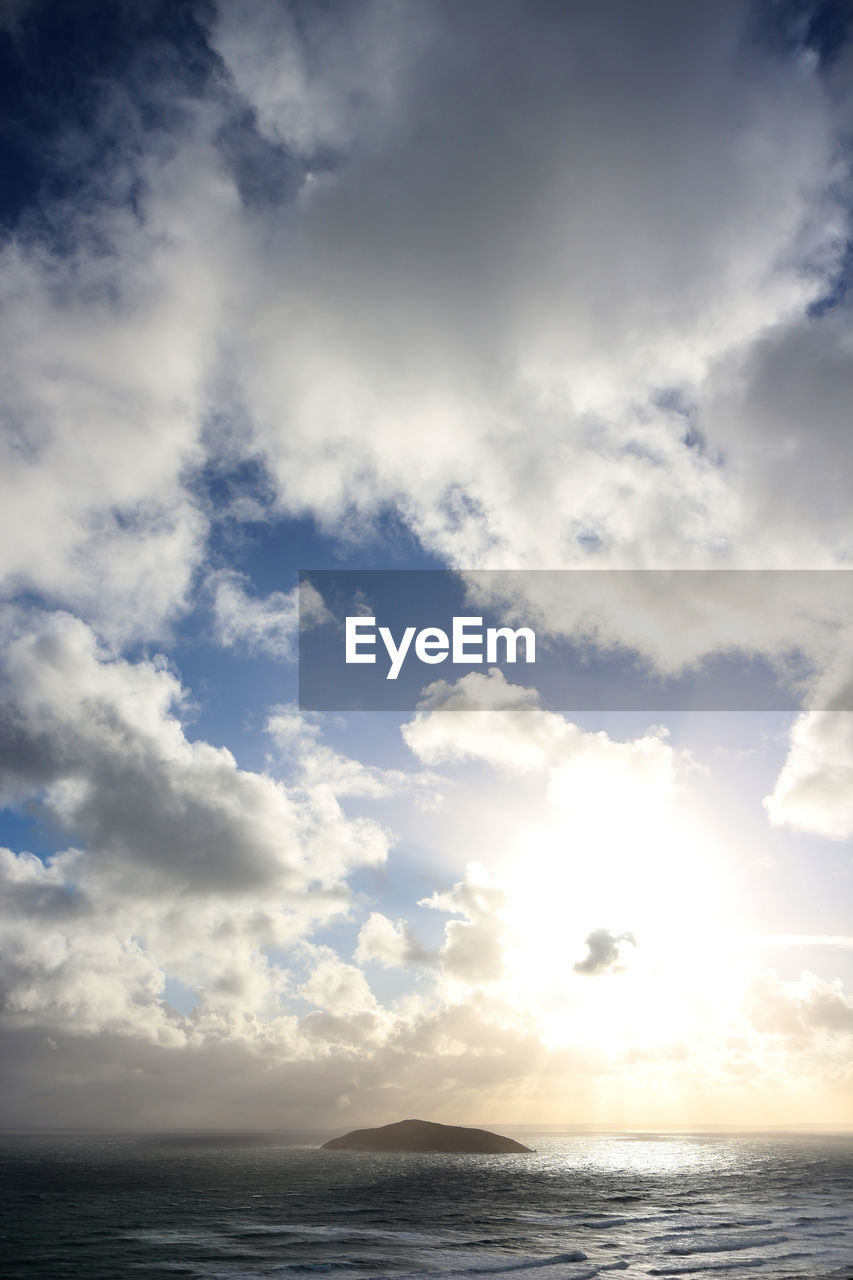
{"x": 603, "y": 952}
{"x": 581, "y": 330}
{"x": 62, "y": 967}
{"x": 12, "y": 14}
{"x": 800, "y": 1009}
{"x": 546, "y": 318}
{"x": 390, "y": 944}
{"x": 338, "y": 988}
{"x": 183, "y": 864}
{"x": 814, "y": 790}
{"x": 670, "y": 622}
{"x": 473, "y": 948}
{"x": 445, "y": 1059}
{"x": 553, "y": 285}
{"x": 316, "y": 84}
{"x": 620, "y": 414}
{"x": 98, "y": 739}
{"x": 267, "y": 626}
{"x": 487, "y": 718}
{"x": 323, "y": 771}
{"x": 483, "y": 716}
{"x": 842, "y": 941}
{"x": 104, "y": 383}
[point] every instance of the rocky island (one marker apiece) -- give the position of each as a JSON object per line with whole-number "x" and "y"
{"x": 424, "y": 1135}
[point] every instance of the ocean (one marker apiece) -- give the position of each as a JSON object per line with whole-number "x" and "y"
{"x": 237, "y": 1207}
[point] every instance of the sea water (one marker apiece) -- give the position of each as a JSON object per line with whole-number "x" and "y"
{"x": 631, "y": 1205}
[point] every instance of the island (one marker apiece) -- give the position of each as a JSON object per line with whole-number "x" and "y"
{"x": 424, "y": 1135}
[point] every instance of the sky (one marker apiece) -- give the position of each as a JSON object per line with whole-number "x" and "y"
{"x": 480, "y": 289}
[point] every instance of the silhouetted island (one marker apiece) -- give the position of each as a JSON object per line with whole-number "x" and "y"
{"x": 424, "y": 1135}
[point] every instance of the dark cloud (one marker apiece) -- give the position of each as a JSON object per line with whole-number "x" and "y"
{"x": 603, "y": 953}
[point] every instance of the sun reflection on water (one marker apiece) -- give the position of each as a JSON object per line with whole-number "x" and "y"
{"x": 644, "y": 1154}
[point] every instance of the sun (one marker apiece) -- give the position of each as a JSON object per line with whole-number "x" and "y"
{"x": 645, "y": 875}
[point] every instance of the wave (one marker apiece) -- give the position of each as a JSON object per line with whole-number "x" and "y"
{"x": 726, "y": 1246}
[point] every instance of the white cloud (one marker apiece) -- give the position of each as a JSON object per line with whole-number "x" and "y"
{"x": 800, "y": 1009}
{"x": 669, "y": 622}
{"x": 348, "y": 1018}
{"x": 536, "y": 414}
{"x": 785, "y": 940}
{"x": 269, "y": 625}
{"x": 814, "y": 791}
{"x": 323, "y": 771}
{"x": 390, "y": 944}
{"x": 188, "y": 865}
{"x": 63, "y": 967}
{"x": 337, "y": 987}
{"x": 473, "y": 949}
{"x": 99, "y": 738}
{"x": 409, "y": 278}
{"x": 322, "y": 81}
{"x": 485, "y": 717}
{"x": 104, "y": 383}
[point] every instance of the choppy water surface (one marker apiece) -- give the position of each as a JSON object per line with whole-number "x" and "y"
{"x": 582, "y": 1206}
